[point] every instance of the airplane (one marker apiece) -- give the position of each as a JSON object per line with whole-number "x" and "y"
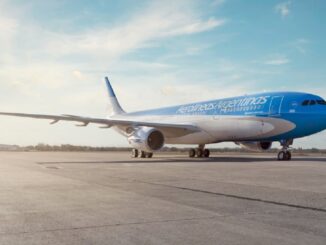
{"x": 251, "y": 121}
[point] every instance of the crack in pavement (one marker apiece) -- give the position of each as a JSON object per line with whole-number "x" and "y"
{"x": 243, "y": 197}
{"x": 260, "y": 200}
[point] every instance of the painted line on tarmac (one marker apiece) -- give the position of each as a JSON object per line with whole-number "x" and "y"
{"x": 243, "y": 197}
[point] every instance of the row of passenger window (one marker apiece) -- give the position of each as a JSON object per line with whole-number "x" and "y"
{"x": 313, "y": 102}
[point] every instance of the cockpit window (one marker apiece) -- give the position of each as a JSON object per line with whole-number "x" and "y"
{"x": 306, "y": 102}
{"x": 312, "y": 102}
{"x": 321, "y": 102}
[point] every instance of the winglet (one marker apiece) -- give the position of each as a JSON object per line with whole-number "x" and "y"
{"x": 109, "y": 87}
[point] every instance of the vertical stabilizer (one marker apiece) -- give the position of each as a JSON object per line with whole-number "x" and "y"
{"x": 114, "y": 107}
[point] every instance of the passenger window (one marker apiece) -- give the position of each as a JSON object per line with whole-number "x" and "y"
{"x": 321, "y": 102}
{"x": 306, "y": 102}
{"x": 312, "y": 102}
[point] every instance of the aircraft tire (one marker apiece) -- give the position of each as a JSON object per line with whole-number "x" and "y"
{"x": 192, "y": 153}
{"x": 284, "y": 156}
{"x": 206, "y": 153}
{"x": 149, "y": 154}
{"x": 281, "y": 156}
{"x": 142, "y": 154}
{"x": 288, "y": 156}
{"x": 134, "y": 153}
{"x": 199, "y": 152}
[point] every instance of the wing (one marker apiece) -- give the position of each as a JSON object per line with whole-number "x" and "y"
{"x": 169, "y": 129}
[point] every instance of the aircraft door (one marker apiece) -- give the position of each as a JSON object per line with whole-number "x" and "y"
{"x": 275, "y": 106}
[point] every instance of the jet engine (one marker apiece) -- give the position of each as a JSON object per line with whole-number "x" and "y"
{"x": 146, "y": 138}
{"x": 256, "y": 146}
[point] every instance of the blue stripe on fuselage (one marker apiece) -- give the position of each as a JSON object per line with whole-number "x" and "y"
{"x": 257, "y": 104}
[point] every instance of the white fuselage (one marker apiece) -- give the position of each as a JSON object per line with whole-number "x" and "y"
{"x": 221, "y": 128}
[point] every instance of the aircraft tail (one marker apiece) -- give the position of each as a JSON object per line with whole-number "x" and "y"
{"x": 114, "y": 107}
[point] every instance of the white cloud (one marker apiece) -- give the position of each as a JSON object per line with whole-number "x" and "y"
{"x": 301, "y": 45}
{"x": 8, "y": 30}
{"x": 157, "y": 22}
{"x": 283, "y": 8}
{"x": 78, "y": 74}
{"x": 195, "y": 27}
{"x": 7, "y": 26}
{"x": 42, "y": 60}
{"x": 277, "y": 60}
{"x": 171, "y": 92}
{"x": 189, "y": 93}
{"x": 100, "y": 47}
{"x": 218, "y": 2}
{"x": 47, "y": 71}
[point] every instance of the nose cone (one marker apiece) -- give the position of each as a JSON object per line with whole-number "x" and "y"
{"x": 324, "y": 118}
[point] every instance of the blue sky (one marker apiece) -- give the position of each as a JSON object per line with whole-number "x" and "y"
{"x": 54, "y": 55}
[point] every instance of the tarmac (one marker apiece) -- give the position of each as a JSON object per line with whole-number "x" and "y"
{"x": 109, "y": 198}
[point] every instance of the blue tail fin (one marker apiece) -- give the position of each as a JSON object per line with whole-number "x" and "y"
{"x": 109, "y": 87}
{"x": 114, "y": 106}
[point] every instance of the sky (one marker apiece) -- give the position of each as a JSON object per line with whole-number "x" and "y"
{"x": 55, "y": 54}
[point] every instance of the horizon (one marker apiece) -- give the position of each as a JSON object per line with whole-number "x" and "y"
{"x": 165, "y": 148}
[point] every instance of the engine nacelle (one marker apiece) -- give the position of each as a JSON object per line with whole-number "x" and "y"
{"x": 256, "y": 146}
{"x": 147, "y": 139}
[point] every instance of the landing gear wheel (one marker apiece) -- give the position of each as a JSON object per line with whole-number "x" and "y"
{"x": 284, "y": 156}
{"x": 288, "y": 156}
{"x": 199, "y": 152}
{"x": 206, "y": 153}
{"x": 142, "y": 154}
{"x": 134, "y": 153}
{"x": 149, "y": 154}
{"x": 192, "y": 153}
{"x": 281, "y": 156}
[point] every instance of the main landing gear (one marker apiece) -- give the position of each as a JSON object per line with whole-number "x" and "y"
{"x": 199, "y": 152}
{"x": 285, "y": 154}
{"x": 141, "y": 154}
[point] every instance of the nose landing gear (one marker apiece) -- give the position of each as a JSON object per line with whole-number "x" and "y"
{"x": 285, "y": 154}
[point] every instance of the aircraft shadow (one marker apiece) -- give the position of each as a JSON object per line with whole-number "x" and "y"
{"x": 194, "y": 160}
